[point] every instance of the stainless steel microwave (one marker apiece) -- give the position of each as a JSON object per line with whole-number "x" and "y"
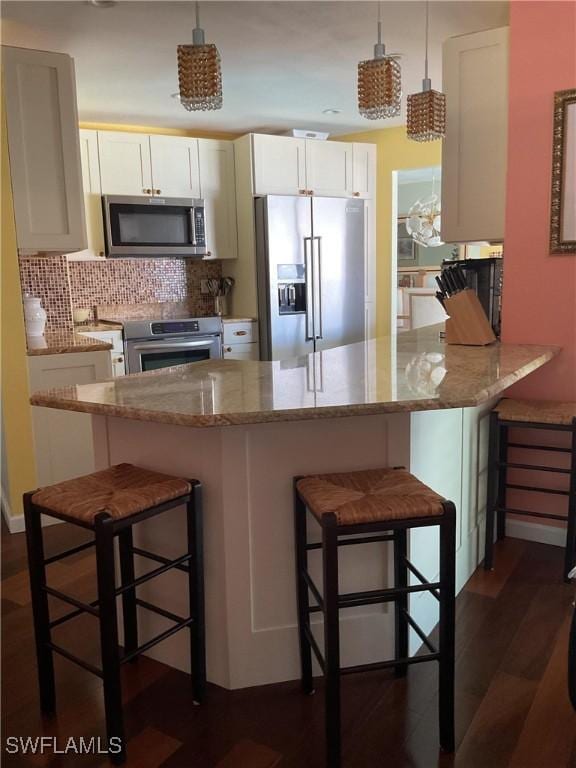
{"x": 154, "y": 226}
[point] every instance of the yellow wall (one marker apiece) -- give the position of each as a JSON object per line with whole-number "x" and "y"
{"x": 395, "y": 152}
{"x": 16, "y": 413}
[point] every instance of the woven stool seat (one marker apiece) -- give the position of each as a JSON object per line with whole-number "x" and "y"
{"x": 121, "y": 491}
{"x": 536, "y": 411}
{"x": 369, "y": 496}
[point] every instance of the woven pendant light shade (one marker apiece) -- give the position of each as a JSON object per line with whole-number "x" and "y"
{"x": 379, "y": 88}
{"x": 199, "y": 73}
{"x": 426, "y": 118}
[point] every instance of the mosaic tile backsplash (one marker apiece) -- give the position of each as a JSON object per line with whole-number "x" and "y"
{"x": 64, "y": 286}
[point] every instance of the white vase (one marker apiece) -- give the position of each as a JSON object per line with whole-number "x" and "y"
{"x": 34, "y": 316}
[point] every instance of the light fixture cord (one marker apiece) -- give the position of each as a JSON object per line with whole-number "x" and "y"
{"x": 197, "y": 15}
{"x": 426, "y": 54}
{"x": 379, "y": 23}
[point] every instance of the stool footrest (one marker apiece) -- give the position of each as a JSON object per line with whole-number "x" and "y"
{"x": 352, "y": 599}
{"x": 75, "y": 659}
{"x": 70, "y": 615}
{"x": 528, "y": 513}
{"x": 82, "y": 607}
{"x": 517, "y": 487}
{"x": 314, "y": 645}
{"x": 555, "y": 448}
{"x": 421, "y": 578}
{"x": 421, "y": 634}
{"x": 155, "y": 640}
{"x": 390, "y": 663}
{"x": 152, "y": 574}
{"x": 157, "y": 558}
{"x": 314, "y": 589}
{"x": 69, "y": 552}
{"x": 160, "y": 611}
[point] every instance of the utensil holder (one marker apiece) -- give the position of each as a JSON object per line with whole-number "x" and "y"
{"x": 467, "y": 322}
{"x": 221, "y": 305}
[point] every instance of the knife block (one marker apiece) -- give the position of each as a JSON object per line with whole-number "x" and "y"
{"x": 467, "y": 322}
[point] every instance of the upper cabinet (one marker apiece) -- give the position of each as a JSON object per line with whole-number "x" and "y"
{"x": 217, "y": 188}
{"x": 279, "y": 165}
{"x": 42, "y": 122}
{"x": 125, "y": 167}
{"x": 329, "y": 168}
{"x": 287, "y": 166}
{"x": 475, "y": 81}
{"x": 92, "y": 196}
{"x": 175, "y": 169}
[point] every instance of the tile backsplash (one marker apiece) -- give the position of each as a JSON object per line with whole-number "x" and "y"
{"x": 64, "y": 286}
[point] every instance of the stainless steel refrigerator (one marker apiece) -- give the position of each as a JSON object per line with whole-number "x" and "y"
{"x": 310, "y": 268}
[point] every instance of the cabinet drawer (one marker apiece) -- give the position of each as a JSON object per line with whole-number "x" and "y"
{"x": 241, "y": 352}
{"x": 240, "y": 333}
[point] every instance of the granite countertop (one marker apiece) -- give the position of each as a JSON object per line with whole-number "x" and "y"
{"x": 238, "y": 319}
{"x": 97, "y": 327}
{"x": 62, "y": 342}
{"x": 411, "y": 372}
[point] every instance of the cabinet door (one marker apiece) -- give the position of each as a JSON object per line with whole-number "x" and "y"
{"x": 474, "y": 153}
{"x": 279, "y": 165}
{"x": 42, "y": 123}
{"x": 241, "y": 352}
{"x": 175, "y": 171}
{"x": 63, "y": 439}
{"x": 124, "y": 163}
{"x": 329, "y": 168}
{"x": 92, "y": 197}
{"x": 364, "y": 170}
{"x": 217, "y": 187}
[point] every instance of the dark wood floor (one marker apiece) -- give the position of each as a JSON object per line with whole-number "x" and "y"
{"x": 512, "y": 704}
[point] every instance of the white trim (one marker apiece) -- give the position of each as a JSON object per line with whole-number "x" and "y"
{"x": 15, "y": 523}
{"x": 545, "y": 534}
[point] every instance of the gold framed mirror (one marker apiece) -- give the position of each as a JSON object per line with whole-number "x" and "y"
{"x": 563, "y": 204}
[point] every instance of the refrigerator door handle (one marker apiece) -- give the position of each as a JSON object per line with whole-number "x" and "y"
{"x": 309, "y": 277}
{"x": 319, "y": 335}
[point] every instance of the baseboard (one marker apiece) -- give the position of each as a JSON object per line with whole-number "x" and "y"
{"x": 544, "y": 534}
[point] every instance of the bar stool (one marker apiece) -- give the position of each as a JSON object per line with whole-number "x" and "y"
{"x": 109, "y": 503}
{"x": 359, "y": 508}
{"x": 528, "y": 414}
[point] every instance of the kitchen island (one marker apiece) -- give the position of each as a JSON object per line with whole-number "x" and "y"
{"x": 244, "y": 429}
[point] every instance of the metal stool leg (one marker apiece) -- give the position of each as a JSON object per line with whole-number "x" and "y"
{"x": 103, "y": 525}
{"x": 447, "y": 625}
{"x": 570, "y": 554}
{"x": 401, "y": 603}
{"x": 302, "y": 593}
{"x": 502, "y": 480}
{"x": 129, "y": 611}
{"x": 40, "y": 610}
{"x": 331, "y": 639}
{"x": 492, "y": 490}
{"x": 196, "y": 593}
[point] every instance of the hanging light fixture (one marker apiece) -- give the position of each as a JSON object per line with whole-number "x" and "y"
{"x": 426, "y": 119}
{"x": 199, "y": 75}
{"x": 424, "y": 220}
{"x": 379, "y": 82}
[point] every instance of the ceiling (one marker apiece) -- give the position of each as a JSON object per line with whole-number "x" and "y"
{"x": 283, "y": 63}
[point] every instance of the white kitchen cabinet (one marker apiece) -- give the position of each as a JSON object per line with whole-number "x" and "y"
{"x": 241, "y": 352}
{"x": 175, "y": 168}
{"x": 329, "y": 168}
{"x": 42, "y": 123}
{"x": 63, "y": 439}
{"x": 113, "y": 337}
{"x": 240, "y": 340}
{"x": 364, "y": 170}
{"x": 92, "y": 198}
{"x": 474, "y": 153}
{"x": 217, "y": 188}
{"x": 279, "y": 165}
{"x": 125, "y": 167}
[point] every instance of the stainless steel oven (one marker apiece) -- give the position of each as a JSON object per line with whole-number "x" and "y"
{"x": 154, "y": 226}
{"x": 150, "y": 345}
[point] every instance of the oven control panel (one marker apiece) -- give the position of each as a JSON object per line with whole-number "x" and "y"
{"x": 175, "y": 326}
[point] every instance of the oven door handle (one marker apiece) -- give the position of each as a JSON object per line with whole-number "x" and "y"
{"x": 167, "y": 347}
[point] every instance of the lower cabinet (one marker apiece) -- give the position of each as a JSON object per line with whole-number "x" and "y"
{"x": 63, "y": 439}
{"x": 116, "y": 353}
{"x": 240, "y": 340}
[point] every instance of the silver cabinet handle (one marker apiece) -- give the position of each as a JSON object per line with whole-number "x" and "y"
{"x": 169, "y": 347}
{"x": 157, "y": 191}
{"x": 319, "y": 281}
{"x": 147, "y": 191}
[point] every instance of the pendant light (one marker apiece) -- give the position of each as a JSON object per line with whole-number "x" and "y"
{"x": 424, "y": 220}
{"x": 379, "y": 82}
{"x": 199, "y": 75}
{"x": 426, "y": 118}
